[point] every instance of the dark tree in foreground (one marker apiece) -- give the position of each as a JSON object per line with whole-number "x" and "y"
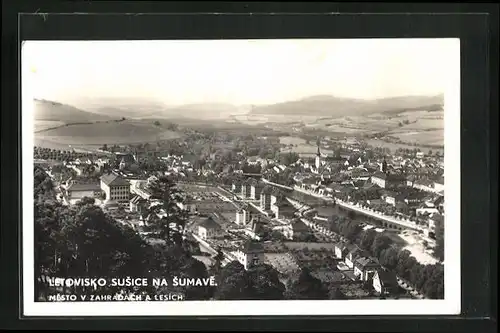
{"x": 380, "y": 243}
{"x": 265, "y": 283}
{"x": 259, "y": 283}
{"x": 217, "y": 264}
{"x": 389, "y": 258}
{"x": 193, "y": 268}
{"x": 367, "y": 239}
{"x": 83, "y": 241}
{"x": 439, "y": 249}
{"x": 336, "y": 293}
{"x": 167, "y": 211}
{"x": 306, "y": 286}
{"x": 233, "y": 283}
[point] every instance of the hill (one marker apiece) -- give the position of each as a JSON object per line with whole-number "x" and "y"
{"x": 107, "y": 132}
{"x": 200, "y": 111}
{"x": 330, "y": 106}
{"x": 53, "y": 111}
{"x": 129, "y": 107}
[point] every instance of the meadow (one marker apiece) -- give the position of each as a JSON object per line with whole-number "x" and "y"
{"x": 394, "y": 146}
{"x": 301, "y": 146}
{"x": 97, "y": 134}
{"x": 42, "y": 125}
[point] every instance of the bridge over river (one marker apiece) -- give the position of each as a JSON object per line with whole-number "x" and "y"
{"x": 386, "y": 221}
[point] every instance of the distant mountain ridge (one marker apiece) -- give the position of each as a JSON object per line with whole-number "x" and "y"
{"x": 324, "y": 105}
{"x": 55, "y": 111}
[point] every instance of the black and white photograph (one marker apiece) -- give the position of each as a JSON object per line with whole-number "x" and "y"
{"x": 241, "y": 177}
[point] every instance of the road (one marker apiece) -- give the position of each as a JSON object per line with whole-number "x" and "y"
{"x": 364, "y": 211}
{"x": 386, "y": 218}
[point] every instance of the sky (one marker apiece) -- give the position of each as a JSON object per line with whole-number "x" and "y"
{"x": 237, "y": 71}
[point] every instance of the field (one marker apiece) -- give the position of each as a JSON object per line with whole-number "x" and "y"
{"x": 432, "y": 137}
{"x": 55, "y": 143}
{"x": 300, "y": 146}
{"x": 415, "y": 129}
{"x": 41, "y": 125}
{"x": 255, "y": 119}
{"x": 394, "y": 146}
{"x": 423, "y": 129}
{"x": 110, "y": 132}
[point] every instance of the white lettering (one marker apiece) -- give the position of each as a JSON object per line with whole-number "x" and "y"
{"x": 160, "y": 282}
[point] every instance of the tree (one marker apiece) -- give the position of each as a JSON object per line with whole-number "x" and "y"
{"x": 380, "y": 243}
{"x": 233, "y": 283}
{"x": 193, "y": 268}
{"x": 289, "y": 158}
{"x": 349, "y": 229}
{"x": 335, "y": 293}
{"x": 433, "y": 286}
{"x": 389, "y": 258}
{"x": 217, "y": 265}
{"x": 367, "y": 239}
{"x": 306, "y": 286}
{"x": 86, "y": 201}
{"x": 405, "y": 264}
{"x": 263, "y": 152}
{"x": 439, "y": 249}
{"x": 167, "y": 211}
{"x": 265, "y": 284}
{"x": 83, "y": 241}
{"x": 276, "y": 236}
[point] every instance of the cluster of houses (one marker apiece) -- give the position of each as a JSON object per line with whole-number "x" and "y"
{"x": 267, "y": 199}
{"x": 353, "y": 262}
{"x": 359, "y": 265}
{"x": 386, "y": 186}
{"x": 249, "y": 252}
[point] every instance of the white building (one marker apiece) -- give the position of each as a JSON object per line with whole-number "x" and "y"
{"x": 295, "y": 228}
{"x": 75, "y": 192}
{"x": 209, "y": 229}
{"x": 365, "y": 268}
{"x": 116, "y": 188}
{"x": 250, "y": 255}
{"x": 242, "y": 216}
{"x": 385, "y": 282}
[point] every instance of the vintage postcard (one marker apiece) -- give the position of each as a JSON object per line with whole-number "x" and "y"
{"x": 241, "y": 177}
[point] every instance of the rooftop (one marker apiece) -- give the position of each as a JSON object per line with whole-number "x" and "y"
{"x": 366, "y": 262}
{"x": 357, "y": 252}
{"x": 209, "y": 223}
{"x": 84, "y": 187}
{"x": 252, "y": 247}
{"x": 114, "y": 180}
{"x": 137, "y": 199}
{"x": 387, "y": 277}
{"x": 298, "y": 225}
{"x": 389, "y": 176}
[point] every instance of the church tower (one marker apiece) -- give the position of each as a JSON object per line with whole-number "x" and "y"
{"x": 122, "y": 164}
{"x": 383, "y": 166}
{"x": 318, "y": 156}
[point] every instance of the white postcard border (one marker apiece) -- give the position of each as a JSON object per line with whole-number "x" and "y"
{"x": 450, "y": 305}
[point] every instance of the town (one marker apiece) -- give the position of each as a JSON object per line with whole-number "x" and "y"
{"x": 363, "y": 222}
